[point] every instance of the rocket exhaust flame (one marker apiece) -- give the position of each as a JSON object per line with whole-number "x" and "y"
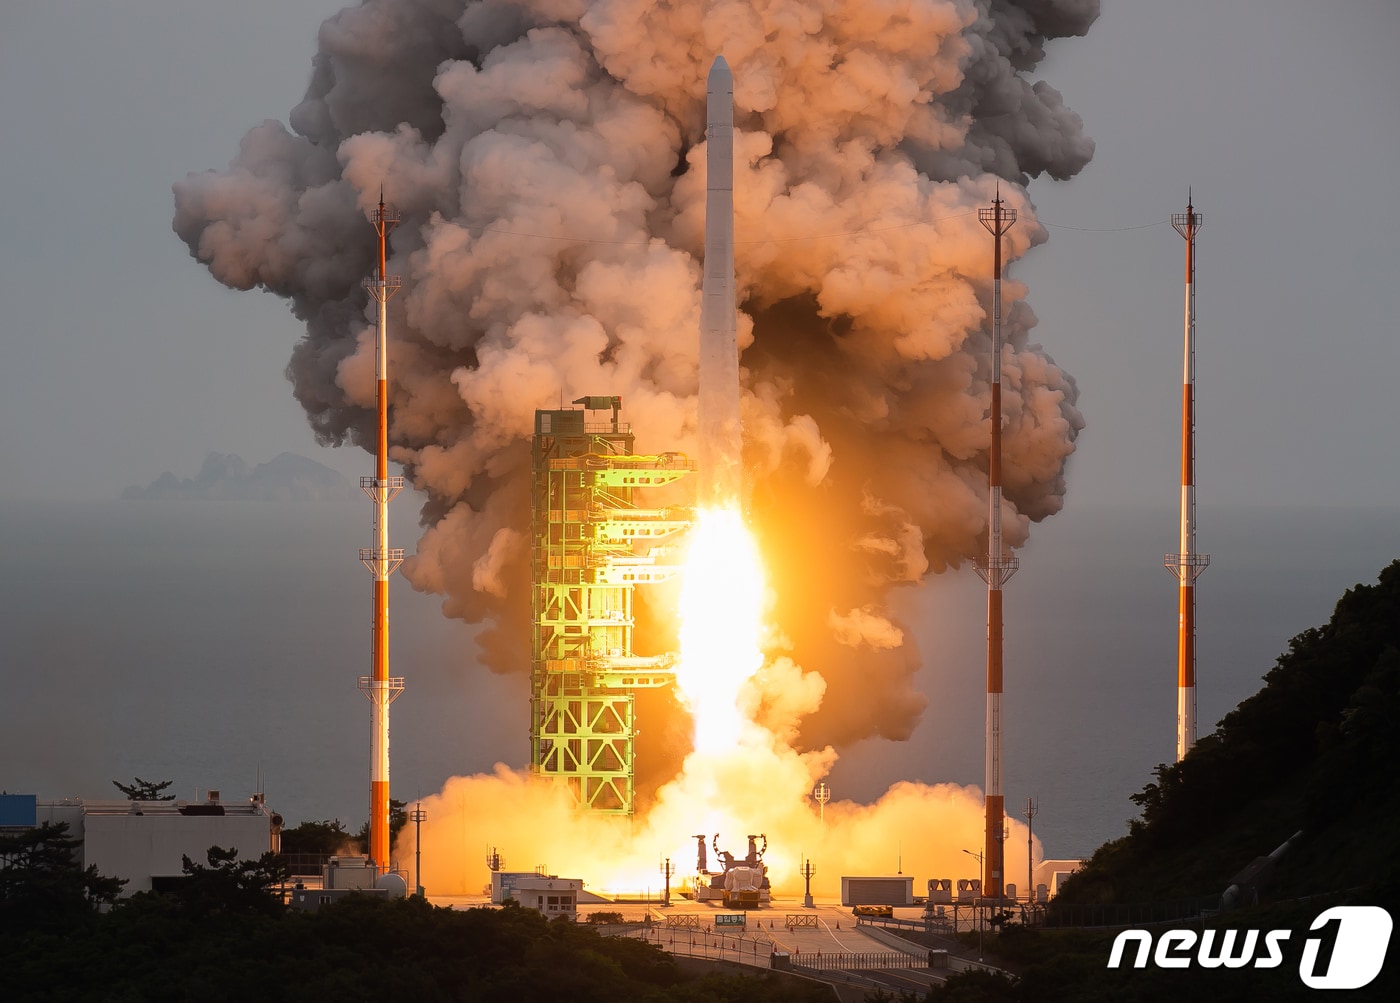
{"x": 743, "y": 772}
{"x": 722, "y": 601}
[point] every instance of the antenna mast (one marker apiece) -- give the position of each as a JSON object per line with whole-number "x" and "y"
{"x": 1187, "y": 565}
{"x": 995, "y": 571}
{"x": 379, "y": 686}
{"x": 1031, "y": 809}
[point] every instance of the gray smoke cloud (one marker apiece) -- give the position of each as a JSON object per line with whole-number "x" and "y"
{"x": 547, "y": 159}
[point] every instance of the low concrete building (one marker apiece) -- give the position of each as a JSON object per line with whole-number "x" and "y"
{"x": 347, "y": 875}
{"x": 145, "y": 842}
{"x": 548, "y": 894}
{"x": 1051, "y": 874}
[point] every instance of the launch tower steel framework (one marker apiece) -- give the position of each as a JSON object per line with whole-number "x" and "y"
{"x": 592, "y": 544}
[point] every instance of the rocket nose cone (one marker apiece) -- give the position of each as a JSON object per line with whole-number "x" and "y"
{"x": 719, "y": 73}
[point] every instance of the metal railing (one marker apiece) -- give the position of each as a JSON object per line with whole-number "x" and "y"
{"x": 961, "y": 920}
{"x": 304, "y": 864}
{"x": 754, "y": 950}
{"x": 820, "y": 961}
{"x": 1071, "y": 915}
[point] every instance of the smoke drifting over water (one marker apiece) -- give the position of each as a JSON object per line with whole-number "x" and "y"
{"x": 547, "y": 159}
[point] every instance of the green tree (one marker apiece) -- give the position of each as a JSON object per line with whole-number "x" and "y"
{"x": 41, "y": 883}
{"x": 893, "y": 996}
{"x": 1306, "y": 752}
{"x": 144, "y": 790}
{"x": 973, "y": 986}
{"x": 230, "y": 885}
{"x": 152, "y": 948}
{"x": 325, "y": 837}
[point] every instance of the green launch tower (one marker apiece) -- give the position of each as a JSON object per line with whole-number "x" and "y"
{"x": 591, "y": 546}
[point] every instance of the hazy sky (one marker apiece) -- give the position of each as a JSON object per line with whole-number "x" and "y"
{"x": 126, "y": 358}
{"x": 1282, "y": 116}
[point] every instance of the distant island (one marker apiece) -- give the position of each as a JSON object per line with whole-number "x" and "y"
{"x": 226, "y": 477}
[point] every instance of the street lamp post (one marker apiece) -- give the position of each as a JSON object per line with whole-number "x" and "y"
{"x": 1031, "y": 808}
{"x": 418, "y": 816}
{"x": 667, "y": 870}
{"x": 978, "y": 905}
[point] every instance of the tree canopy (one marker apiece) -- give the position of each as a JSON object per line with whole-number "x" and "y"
{"x": 144, "y": 790}
{"x": 41, "y": 884}
{"x": 325, "y": 837}
{"x": 1312, "y": 750}
{"x": 205, "y": 940}
{"x": 230, "y": 885}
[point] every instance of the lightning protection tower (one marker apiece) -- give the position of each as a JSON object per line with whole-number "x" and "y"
{"x": 382, "y": 561}
{"x": 592, "y": 544}
{"x": 1187, "y": 565}
{"x": 998, "y": 567}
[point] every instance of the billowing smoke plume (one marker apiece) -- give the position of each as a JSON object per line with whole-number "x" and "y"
{"x": 547, "y": 158}
{"x": 917, "y": 828}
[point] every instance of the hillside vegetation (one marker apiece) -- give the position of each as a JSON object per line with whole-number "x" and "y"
{"x": 1316, "y": 749}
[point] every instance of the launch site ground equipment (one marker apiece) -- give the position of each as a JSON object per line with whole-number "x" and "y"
{"x": 741, "y": 883}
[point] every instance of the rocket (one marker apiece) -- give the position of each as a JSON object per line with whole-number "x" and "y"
{"x": 720, "y": 433}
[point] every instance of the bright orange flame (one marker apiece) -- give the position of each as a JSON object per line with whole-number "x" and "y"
{"x": 721, "y": 614}
{"x": 743, "y": 777}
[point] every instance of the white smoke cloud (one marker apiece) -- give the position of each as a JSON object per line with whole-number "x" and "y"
{"x": 547, "y": 159}
{"x": 760, "y": 784}
{"x": 864, "y": 626}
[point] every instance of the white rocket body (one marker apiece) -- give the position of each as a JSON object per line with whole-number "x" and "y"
{"x": 720, "y": 432}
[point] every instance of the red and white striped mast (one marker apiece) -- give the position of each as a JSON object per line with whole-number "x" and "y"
{"x": 1187, "y": 565}
{"x": 379, "y": 686}
{"x": 998, "y": 567}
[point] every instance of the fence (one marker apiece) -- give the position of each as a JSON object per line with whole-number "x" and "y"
{"x": 963, "y": 919}
{"x": 1143, "y": 914}
{"x": 752, "y": 949}
{"x": 829, "y": 962}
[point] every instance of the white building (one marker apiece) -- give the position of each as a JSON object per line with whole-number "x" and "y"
{"x": 145, "y": 841}
{"x": 1051, "y": 874}
{"x": 547, "y": 894}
